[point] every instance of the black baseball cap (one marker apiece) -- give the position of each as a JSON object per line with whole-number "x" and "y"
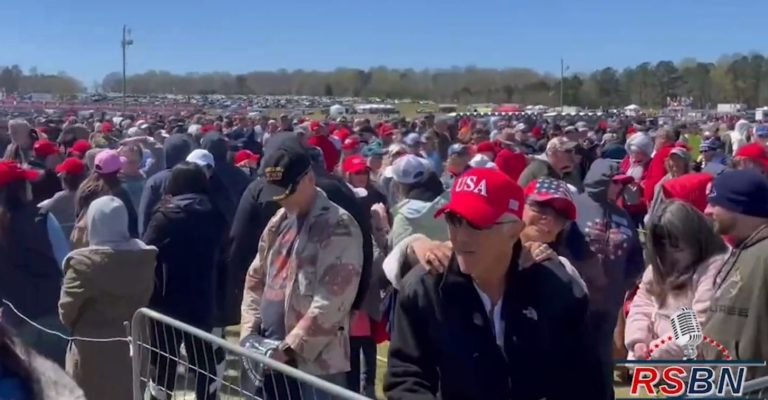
{"x": 283, "y": 168}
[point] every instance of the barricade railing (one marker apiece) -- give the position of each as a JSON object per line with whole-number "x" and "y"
{"x": 173, "y": 360}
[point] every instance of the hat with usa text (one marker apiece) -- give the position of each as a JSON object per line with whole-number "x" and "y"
{"x": 482, "y": 195}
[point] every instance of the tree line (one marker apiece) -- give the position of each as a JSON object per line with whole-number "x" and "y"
{"x": 736, "y": 78}
{"x": 14, "y": 80}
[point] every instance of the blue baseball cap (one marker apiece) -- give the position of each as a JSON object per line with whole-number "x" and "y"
{"x": 761, "y": 130}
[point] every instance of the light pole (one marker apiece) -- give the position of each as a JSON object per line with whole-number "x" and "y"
{"x": 562, "y": 81}
{"x": 563, "y": 69}
{"x": 127, "y": 41}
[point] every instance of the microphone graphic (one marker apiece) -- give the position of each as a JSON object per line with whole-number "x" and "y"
{"x": 687, "y": 332}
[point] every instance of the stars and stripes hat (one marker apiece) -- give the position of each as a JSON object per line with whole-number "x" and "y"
{"x": 482, "y": 195}
{"x": 553, "y": 193}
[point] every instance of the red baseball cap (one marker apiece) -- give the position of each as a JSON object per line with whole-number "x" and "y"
{"x": 482, "y": 195}
{"x": 486, "y": 147}
{"x": 315, "y": 126}
{"x": 106, "y": 127}
{"x": 386, "y": 130}
{"x": 753, "y": 151}
{"x": 351, "y": 143}
{"x": 354, "y": 164}
{"x": 44, "y": 148}
{"x": 245, "y": 155}
{"x": 553, "y": 193}
{"x": 80, "y": 147}
{"x": 71, "y": 166}
{"x": 342, "y": 134}
{"x": 11, "y": 171}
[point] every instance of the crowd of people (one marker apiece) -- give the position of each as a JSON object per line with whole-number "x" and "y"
{"x": 501, "y": 257}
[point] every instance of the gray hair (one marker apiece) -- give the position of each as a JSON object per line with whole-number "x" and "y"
{"x": 668, "y": 134}
{"x": 18, "y": 126}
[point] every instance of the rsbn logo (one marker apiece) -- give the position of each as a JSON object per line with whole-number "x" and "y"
{"x": 689, "y": 378}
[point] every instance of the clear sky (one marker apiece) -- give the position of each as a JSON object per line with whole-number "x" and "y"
{"x": 82, "y": 37}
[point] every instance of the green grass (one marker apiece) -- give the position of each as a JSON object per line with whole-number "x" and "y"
{"x": 407, "y": 110}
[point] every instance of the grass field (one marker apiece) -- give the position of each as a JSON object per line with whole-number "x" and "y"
{"x": 407, "y": 110}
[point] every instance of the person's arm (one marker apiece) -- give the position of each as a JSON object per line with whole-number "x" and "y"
{"x": 250, "y": 221}
{"x": 635, "y": 262}
{"x": 338, "y": 275}
{"x": 399, "y": 259}
{"x": 59, "y": 242}
{"x": 250, "y": 308}
{"x": 73, "y": 294}
{"x": 640, "y": 318}
{"x": 157, "y": 163}
{"x": 150, "y": 196}
{"x": 411, "y": 366}
{"x": 530, "y": 173}
{"x": 401, "y": 229}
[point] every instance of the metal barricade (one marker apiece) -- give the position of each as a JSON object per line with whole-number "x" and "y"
{"x": 173, "y": 360}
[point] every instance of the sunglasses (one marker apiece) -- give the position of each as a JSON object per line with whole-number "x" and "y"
{"x": 458, "y": 221}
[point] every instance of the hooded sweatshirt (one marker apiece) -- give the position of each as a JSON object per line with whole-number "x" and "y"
{"x": 230, "y": 181}
{"x": 416, "y": 214}
{"x": 637, "y": 142}
{"x": 739, "y": 135}
{"x": 104, "y": 284}
{"x": 613, "y": 241}
{"x": 177, "y": 147}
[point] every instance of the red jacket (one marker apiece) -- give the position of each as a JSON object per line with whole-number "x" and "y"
{"x": 655, "y": 172}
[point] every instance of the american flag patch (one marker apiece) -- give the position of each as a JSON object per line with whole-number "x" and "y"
{"x": 553, "y": 187}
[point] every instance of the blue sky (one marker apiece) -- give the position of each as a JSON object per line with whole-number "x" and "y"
{"x": 82, "y": 37}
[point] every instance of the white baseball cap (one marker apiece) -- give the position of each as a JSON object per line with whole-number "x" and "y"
{"x": 202, "y": 158}
{"x": 410, "y": 169}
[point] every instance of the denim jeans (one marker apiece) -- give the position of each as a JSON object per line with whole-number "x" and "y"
{"x": 362, "y": 376}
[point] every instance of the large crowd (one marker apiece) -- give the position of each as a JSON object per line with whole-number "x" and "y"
{"x": 501, "y": 257}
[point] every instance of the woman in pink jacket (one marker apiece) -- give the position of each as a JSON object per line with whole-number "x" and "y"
{"x": 684, "y": 254}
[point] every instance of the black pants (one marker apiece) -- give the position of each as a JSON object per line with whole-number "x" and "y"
{"x": 362, "y": 373}
{"x": 200, "y": 355}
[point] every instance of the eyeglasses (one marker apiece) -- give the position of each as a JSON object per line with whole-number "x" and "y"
{"x": 458, "y": 221}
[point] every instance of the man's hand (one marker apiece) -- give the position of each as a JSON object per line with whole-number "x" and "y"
{"x": 282, "y": 354}
{"x": 433, "y": 255}
{"x": 535, "y": 252}
{"x": 641, "y": 351}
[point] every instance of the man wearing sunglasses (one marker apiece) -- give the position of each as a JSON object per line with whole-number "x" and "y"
{"x": 487, "y": 327}
{"x": 557, "y": 160}
{"x": 301, "y": 287}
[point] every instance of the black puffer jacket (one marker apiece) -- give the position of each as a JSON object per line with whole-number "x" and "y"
{"x": 188, "y": 231}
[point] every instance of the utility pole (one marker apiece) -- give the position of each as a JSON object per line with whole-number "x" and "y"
{"x": 562, "y": 83}
{"x": 127, "y": 41}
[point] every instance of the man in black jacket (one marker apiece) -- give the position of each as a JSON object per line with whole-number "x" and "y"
{"x": 252, "y": 217}
{"x": 495, "y": 324}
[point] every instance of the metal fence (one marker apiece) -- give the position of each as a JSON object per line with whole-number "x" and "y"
{"x": 173, "y": 360}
